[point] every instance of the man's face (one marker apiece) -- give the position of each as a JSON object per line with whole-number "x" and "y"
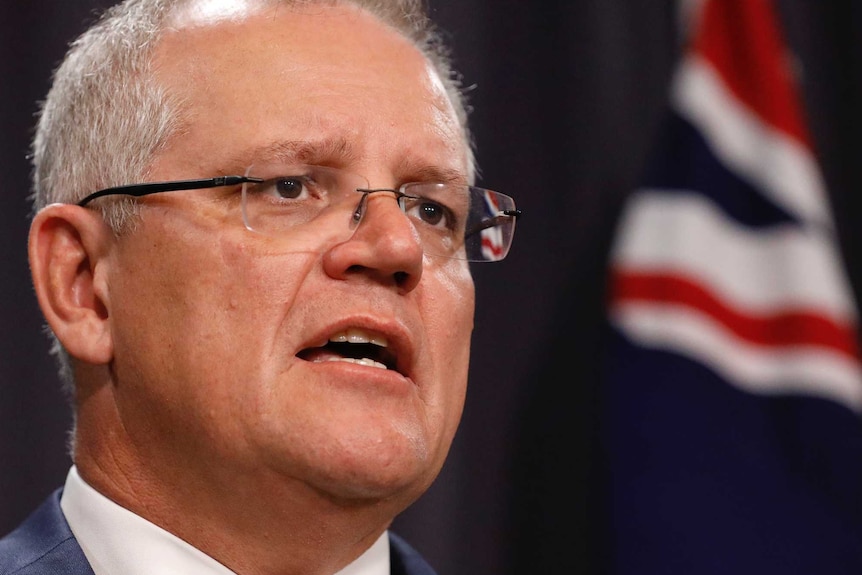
{"x": 219, "y": 333}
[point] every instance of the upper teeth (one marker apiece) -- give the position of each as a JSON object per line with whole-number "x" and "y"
{"x": 354, "y": 335}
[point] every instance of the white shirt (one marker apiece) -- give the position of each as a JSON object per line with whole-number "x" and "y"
{"x": 119, "y": 542}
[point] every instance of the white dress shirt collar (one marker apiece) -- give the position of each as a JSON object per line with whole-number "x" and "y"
{"x": 117, "y": 541}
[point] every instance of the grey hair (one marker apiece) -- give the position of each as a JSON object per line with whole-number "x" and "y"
{"x": 104, "y": 118}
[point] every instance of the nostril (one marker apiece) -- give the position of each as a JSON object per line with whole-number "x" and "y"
{"x": 401, "y": 278}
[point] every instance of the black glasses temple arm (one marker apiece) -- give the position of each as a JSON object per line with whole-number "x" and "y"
{"x": 139, "y": 190}
{"x": 500, "y": 218}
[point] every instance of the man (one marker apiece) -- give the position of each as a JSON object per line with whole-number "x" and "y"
{"x": 267, "y": 363}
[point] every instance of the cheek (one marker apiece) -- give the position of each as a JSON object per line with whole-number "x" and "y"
{"x": 200, "y": 301}
{"x": 448, "y": 316}
{"x": 451, "y": 306}
{"x": 260, "y": 286}
{"x": 179, "y": 315}
{"x": 249, "y": 279}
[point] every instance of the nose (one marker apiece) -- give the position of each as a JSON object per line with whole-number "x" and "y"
{"x": 385, "y": 245}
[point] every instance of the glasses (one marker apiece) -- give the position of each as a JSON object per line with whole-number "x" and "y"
{"x": 451, "y": 220}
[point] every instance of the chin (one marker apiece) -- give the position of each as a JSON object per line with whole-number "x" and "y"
{"x": 370, "y": 473}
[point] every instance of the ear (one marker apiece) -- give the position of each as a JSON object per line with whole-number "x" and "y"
{"x": 69, "y": 248}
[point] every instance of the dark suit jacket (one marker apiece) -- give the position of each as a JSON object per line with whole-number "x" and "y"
{"x": 44, "y": 545}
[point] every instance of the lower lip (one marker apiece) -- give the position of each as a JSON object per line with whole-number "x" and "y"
{"x": 361, "y": 374}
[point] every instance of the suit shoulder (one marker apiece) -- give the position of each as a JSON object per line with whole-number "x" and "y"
{"x": 405, "y": 560}
{"x": 43, "y": 544}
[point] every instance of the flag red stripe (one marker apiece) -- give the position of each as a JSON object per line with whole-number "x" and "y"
{"x": 785, "y": 328}
{"x": 742, "y": 40}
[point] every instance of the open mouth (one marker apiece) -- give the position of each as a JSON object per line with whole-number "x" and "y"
{"x": 353, "y": 346}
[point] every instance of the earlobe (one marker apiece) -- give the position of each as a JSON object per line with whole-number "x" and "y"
{"x": 68, "y": 249}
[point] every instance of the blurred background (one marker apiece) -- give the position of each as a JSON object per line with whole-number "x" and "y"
{"x": 569, "y": 102}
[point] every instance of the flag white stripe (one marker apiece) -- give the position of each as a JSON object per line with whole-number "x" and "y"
{"x": 784, "y": 169}
{"x": 755, "y": 369}
{"x": 755, "y": 271}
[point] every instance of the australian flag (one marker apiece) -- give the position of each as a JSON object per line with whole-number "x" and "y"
{"x": 733, "y": 404}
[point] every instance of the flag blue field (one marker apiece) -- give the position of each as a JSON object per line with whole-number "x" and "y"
{"x": 733, "y": 418}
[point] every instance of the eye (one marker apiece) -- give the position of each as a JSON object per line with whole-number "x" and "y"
{"x": 289, "y": 187}
{"x": 426, "y": 211}
{"x": 432, "y": 205}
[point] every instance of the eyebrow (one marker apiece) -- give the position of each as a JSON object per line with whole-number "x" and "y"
{"x": 330, "y": 151}
{"x": 436, "y": 174}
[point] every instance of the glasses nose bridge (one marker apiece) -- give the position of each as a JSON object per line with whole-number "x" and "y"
{"x": 397, "y": 195}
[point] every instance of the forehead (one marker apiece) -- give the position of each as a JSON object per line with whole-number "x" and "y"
{"x": 202, "y": 12}
{"x": 252, "y": 77}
